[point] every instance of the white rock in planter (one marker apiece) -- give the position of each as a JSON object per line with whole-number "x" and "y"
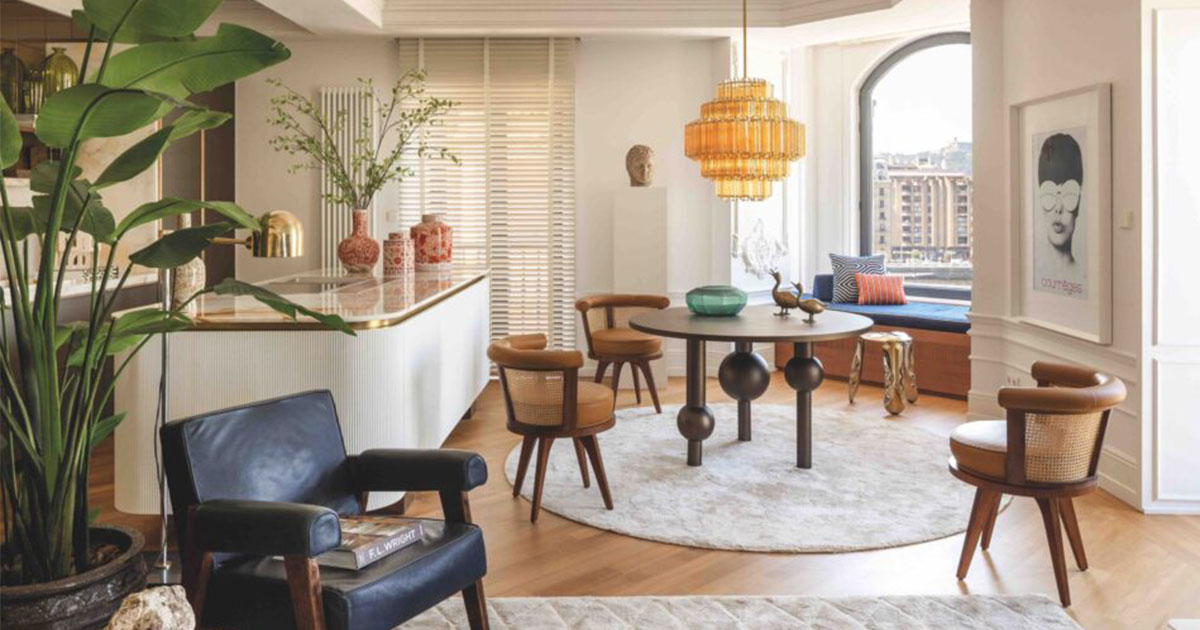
{"x": 163, "y": 608}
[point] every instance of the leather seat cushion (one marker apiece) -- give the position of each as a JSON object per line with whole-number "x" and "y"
{"x": 980, "y": 447}
{"x": 624, "y": 342}
{"x": 253, "y": 593}
{"x": 595, "y": 404}
{"x": 535, "y": 406}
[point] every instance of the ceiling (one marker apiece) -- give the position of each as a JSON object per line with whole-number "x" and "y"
{"x": 794, "y": 22}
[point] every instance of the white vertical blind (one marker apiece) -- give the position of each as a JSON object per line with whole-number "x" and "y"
{"x": 511, "y": 200}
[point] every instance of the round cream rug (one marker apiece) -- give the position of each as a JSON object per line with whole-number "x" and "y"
{"x": 874, "y": 483}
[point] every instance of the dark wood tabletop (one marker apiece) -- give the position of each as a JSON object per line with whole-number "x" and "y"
{"x": 754, "y": 323}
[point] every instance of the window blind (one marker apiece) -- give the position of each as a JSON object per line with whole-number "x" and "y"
{"x": 511, "y": 199}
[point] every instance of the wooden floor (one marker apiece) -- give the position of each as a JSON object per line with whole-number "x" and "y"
{"x": 1144, "y": 570}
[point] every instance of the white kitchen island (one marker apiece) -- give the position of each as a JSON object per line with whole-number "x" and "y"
{"x": 411, "y": 373}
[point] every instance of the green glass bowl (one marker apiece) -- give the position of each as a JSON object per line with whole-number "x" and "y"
{"x": 716, "y": 300}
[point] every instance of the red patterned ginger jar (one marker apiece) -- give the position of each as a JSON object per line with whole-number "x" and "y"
{"x": 433, "y": 243}
{"x": 399, "y": 254}
{"x": 358, "y": 252}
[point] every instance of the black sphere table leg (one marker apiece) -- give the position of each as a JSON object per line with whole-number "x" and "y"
{"x": 804, "y": 373}
{"x": 744, "y": 375}
{"x": 695, "y": 419}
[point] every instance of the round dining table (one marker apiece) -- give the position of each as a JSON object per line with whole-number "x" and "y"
{"x": 744, "y": 374}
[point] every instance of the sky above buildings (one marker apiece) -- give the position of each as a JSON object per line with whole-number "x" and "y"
{"x": 924, "y": 102}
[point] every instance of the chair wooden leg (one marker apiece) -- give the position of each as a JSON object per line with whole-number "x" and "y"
{"x": 539, "y": 476}
{"x": 593, "y": 450}
{"x": 197, "y": 567}
{"x": 523, "y": 463}
{"x": 650, "y": 385}
{"x": 637, "y": 386}
{"x": 1071, "y": 524}
{"x": 582, "y": 458}
{"x": 601, "y": 368}
{"x": 616, "y": 380}
{"x": 990, "y": 524}
{"x": 979, "y": 514}
{"x": 1051, "y": 518}
{"x": 477, "y": 616}
{"x": 304, "y": 583}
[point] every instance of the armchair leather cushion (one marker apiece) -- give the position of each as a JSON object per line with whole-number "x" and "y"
{"x": 252, "y": 593}
{"x": 400, "y": 469}
{"x": 980, "y": 447}
{"x": 266, "y": 528}
{"x": 624, "y": 342}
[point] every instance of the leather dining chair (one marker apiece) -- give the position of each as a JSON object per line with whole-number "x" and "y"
{"x": 545, "y": 401}
{"x": 1047, "y": 448}
{"x": 611, "y": 342}
{"x": 267, "y": 480}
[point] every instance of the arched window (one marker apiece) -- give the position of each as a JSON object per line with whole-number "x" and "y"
{"x": 915, "y": 164}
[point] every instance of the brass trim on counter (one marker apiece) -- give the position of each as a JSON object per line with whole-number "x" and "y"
{"x": 310, "y": 325}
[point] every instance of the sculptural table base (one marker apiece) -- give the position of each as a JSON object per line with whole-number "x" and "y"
{"x": 695, "y": 419}
{"x": 745, "y": 375}
{"x": 805, "y": 374}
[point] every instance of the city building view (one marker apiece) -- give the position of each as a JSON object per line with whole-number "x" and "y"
{"x": 922, "y": 213}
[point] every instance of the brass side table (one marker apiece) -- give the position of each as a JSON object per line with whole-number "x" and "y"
{"x": 899, "y": 368}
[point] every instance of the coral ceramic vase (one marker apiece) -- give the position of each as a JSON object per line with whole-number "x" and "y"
{"x": 398, "y": 254}
{"x": 358, "y": 252}
{"x": 433, "y": 243}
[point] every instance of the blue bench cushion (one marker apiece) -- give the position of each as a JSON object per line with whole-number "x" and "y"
{"x": 918, "y": 315}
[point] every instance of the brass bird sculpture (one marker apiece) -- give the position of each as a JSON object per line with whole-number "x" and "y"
{"x": 786, "y": 300}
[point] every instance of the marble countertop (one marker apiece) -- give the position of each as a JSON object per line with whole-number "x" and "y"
{"x": 364, "y": 301}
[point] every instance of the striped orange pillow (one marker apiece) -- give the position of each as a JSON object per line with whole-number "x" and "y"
{"x": 880, "y": 289}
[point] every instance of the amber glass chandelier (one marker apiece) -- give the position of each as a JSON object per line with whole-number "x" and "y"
{"x": 743, "y": 139}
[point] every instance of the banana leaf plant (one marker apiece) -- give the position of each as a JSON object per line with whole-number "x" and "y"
{"x": 52, "y": 393}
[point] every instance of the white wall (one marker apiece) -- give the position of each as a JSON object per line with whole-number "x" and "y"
{"x": 1021, "y": 52}
{"x": 643, "y": 91}
{"x": 263, "y": 182}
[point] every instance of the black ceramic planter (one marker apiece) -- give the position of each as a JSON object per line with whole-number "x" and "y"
{"x": 81, "y": 602}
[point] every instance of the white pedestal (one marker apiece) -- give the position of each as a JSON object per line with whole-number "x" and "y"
{"x": 640, "y": 219}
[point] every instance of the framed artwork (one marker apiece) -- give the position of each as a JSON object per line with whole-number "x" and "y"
{"x": 1062, "y": 188}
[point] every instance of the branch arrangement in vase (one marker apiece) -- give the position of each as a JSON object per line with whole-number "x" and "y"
{"x": 308, "y": 133}
{"x": 52, "y": 390}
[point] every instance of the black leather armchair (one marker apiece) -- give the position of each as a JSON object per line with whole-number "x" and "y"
{"x": 254, "y": 483}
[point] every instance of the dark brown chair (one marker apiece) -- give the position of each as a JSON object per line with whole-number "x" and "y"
{"x": 611, "y": 342}
{"x": 1047, "y": 449}
{"x": 545, "y": 401}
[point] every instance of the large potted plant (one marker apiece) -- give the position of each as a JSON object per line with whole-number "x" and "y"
{"x": 372, "y": 160}
{"x": 59, "y": 569}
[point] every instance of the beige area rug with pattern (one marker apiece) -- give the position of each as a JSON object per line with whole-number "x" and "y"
{"x": 874, "y": 483}
{"x": 963, "y": 612}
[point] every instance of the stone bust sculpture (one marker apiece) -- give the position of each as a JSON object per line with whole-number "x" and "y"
{"x": 639, "y": 162}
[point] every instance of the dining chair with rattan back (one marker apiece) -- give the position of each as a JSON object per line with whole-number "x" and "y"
{"x": 1047, "y": 448}
{"x": 610, "y": 341}
{"x": 545, "y": 401}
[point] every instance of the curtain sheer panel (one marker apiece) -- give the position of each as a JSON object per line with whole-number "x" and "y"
{"x": 511, "y": 199}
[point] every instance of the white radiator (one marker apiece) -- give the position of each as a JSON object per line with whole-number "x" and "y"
{"x": 357, "y": 105}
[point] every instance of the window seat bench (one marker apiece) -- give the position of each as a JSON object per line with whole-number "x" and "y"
{"x": 941, "y": 346}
